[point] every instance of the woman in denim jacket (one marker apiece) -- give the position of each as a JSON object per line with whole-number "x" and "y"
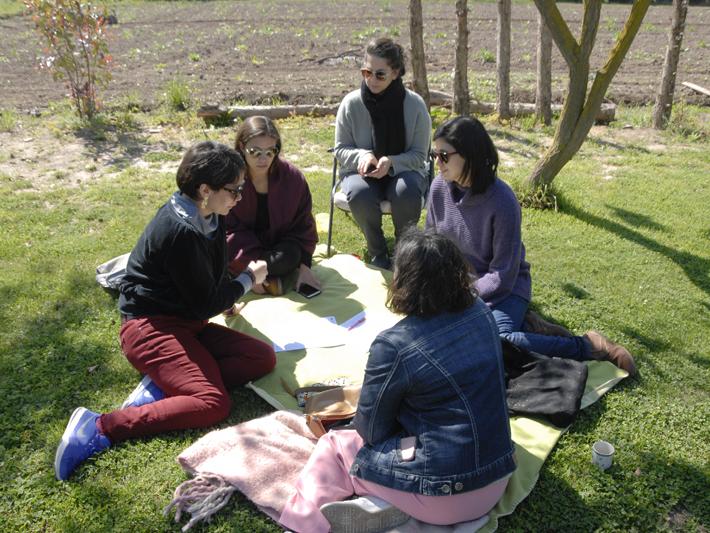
{"x": 432, "y": 436}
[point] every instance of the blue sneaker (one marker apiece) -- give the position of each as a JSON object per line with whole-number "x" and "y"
{"x": 80, "y": 440}
{"x": 145, "y": 392}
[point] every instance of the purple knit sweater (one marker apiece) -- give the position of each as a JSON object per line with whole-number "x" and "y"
{"x": 486, "y": 228}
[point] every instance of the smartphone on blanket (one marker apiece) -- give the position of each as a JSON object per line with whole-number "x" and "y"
{"x": 309, "y": 291}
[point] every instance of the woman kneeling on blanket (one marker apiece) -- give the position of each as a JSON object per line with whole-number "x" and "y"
{"x": 176, "y": 279}
{"x": 433, "y": 437}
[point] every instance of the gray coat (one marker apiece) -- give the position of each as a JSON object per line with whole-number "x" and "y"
{"x": 354, "y": 135}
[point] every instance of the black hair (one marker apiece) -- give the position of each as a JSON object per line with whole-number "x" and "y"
{"x": 471, "y": 141}
{"x": 211, "y": 163}
{"x": 385, "y": 48}
{"x": 431, "y": 276}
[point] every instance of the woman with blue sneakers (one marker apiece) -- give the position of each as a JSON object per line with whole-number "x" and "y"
{"x": 176, "y": 279}
{"x": 432, "y": 436}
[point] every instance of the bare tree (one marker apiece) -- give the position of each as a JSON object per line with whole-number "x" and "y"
{"x": 416, "y": 37}
{"x": 543, "y": 92}
{"x": 664, "y": 99}
{"x": 503, "y": 59}
{"x": 461, "y": 97}
{"x": 580, "y": 107}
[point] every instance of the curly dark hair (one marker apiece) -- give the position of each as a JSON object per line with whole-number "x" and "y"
{"x": 208, "y": 162}
{"x": 431, "y": 276}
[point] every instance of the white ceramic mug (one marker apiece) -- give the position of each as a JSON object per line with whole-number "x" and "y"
{"x": 602, "y": 454}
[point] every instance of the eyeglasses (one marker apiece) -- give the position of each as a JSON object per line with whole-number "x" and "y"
{"x": 378, "y": 74}
{"x": 442, "y": 156}
{"x": 258, "y": 152}
{"x": 236, "y": 192}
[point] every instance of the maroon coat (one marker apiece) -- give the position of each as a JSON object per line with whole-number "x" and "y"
{"x": 290, "y": 218}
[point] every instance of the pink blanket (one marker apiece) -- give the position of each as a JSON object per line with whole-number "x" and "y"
{"x": 261, "y": 458}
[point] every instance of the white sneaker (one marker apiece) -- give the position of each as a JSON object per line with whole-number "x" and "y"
{"x": 367, "y": 514}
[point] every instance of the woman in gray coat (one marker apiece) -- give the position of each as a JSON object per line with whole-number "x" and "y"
{"x": 382, "y": 137}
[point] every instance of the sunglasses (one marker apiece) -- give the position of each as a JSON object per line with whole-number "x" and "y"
{"x": 378, "y": 74}
{"x": 258, "y": 152}
{"x": 442, "y": 156}
{"x": 236, "y": 192}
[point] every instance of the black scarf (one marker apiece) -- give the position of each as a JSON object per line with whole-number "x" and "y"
{"x": 387, "y": 114}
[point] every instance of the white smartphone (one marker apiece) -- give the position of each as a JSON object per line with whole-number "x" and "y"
{"x": 407, "y": 446}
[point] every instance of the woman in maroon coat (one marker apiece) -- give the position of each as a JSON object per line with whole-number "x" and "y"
{"x": 273, "y": 221}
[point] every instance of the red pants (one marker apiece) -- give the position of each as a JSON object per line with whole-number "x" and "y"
{"x": 194, "y": 363}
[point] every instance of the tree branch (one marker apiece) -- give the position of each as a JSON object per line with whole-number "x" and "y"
{"x": 565, "y": 41}
{"x": 590, "y": 24}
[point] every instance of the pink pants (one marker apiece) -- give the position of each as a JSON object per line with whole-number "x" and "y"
{"x": 194, "y": 363}
{"x": 326, "y": 478}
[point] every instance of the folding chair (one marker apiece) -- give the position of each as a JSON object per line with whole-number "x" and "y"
{"x": 340, "y": 200}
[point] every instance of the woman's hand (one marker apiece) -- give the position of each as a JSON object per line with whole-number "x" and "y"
{"x": 366, "y": 161}
{"x": 306, "y": 275}
{"x": 381, "y": 169}
{"x": 259, "y": 270}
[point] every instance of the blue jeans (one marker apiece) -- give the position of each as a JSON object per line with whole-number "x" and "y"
{"x": 404, "y": 191}
{"x": 509, "y": 315}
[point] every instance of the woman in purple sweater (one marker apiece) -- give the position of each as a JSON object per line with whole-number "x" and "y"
{"x": 473, "y": 207}
{"x": 274, "y": 221}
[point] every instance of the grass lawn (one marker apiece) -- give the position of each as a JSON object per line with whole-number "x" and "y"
{"x": 627, "y": 253}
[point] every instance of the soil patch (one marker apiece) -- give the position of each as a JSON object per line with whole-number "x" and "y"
{"x": 308, "y": 51}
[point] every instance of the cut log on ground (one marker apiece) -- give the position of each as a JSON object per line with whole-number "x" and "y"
{"x": 697, "y": 88}
{"x": 606, "y": 113}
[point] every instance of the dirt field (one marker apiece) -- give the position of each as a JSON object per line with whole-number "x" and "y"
{"x": 308, "y": 51}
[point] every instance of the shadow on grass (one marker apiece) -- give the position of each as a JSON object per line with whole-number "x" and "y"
{"x": 696, "y": 268}
{"x": 617, "y": 146}
{"x": 50, "y": 368}
{"x": 554, "y": 503}
{"x": 652, "y": 344}
{"x": 575, "y": 291}
{"x": 636, "y": 219}
{"x": 124, "y": 144}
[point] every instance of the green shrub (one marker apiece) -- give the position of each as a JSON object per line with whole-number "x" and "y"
{"x": 177, "y": 95}
{"x": 76, "y": 49}
{"x": 8, "y": 120}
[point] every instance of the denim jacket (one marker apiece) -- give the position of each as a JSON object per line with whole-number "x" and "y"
{"x": 441, "y": 380}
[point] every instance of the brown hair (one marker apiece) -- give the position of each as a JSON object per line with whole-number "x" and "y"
{"x": 257, "y": 126}
{"x": 385, "y": 48}
{"x": 430, "y": 276}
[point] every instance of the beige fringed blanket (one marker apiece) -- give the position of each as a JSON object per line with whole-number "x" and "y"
{"x": 260, "y": 458}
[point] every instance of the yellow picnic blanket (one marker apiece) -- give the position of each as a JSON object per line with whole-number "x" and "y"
{"x": 350, "y": 287}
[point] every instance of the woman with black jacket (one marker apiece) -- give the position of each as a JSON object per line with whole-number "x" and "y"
{"x": 176, "y": 279}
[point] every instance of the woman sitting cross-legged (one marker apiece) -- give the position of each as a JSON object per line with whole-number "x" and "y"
{"x": 432, "y": 436}
{"x": 176, "y": 279}
{"x": 273, "y": 221}
{"x": 478, "y": 211}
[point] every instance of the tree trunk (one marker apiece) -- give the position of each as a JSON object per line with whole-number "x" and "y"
{"x": 664, "y": 99}
{"x": 543, "y": 92}
{"x": 580, "y": 108}
{"x": 503, "y": 59}
{"x": 416, "y": 37}
{"x": 461, "y": 98}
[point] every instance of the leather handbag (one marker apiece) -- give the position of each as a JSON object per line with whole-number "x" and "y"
{"x": 331, "y": 407}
